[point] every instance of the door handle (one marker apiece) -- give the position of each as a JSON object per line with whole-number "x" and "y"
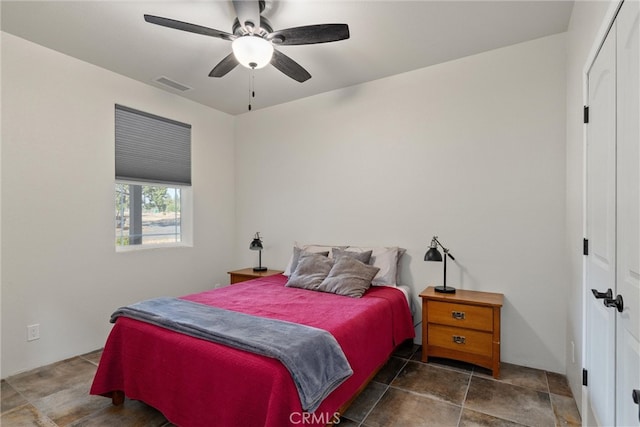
{"x": 602, "y": 295}
{"x": 618, "y": 303}
{"x": 636, "y": 399}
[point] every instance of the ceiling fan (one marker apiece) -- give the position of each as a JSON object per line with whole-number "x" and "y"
{"x": 253, "y": 39}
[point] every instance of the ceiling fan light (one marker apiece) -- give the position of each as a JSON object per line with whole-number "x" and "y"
{"x": 252, "y": 51}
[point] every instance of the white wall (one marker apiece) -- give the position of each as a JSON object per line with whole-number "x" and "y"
{"x": 60, "y": 268}
{"x": 586, "y": 21}
{"x": 471, "y": 150}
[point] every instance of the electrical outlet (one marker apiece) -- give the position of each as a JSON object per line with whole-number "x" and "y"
{"x": 33, "y": 332}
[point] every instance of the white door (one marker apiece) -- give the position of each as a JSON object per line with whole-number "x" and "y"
{"x": 601, "y": 233}
{"x": 628, "y": 212}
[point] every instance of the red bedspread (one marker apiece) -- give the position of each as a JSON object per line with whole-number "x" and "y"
{"x": 199, "y": 383}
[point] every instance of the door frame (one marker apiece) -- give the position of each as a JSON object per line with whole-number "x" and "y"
{"x": 607, "y": 23}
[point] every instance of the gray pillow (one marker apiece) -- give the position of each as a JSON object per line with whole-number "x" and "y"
{"x": 296, "y": 256}
{"x": 364, "y": 257}
{"x": 310, "y": 272}
{"x": 349, "y": 277}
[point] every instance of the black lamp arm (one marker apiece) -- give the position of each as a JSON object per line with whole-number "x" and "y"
{"x": 445, "y": 250}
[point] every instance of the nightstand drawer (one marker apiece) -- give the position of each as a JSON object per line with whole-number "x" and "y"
{"x": 464, "y": 340}
{"x": 245, "y": 274}
{"x": 237, "y": 278}
{"x": 461, "y": 315}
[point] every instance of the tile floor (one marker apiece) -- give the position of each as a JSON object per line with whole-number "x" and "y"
{"x": 405, "y": 393}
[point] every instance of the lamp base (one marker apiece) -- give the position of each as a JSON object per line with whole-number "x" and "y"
{"x": 259, "y": 268}
{"x": 445, "y": 290}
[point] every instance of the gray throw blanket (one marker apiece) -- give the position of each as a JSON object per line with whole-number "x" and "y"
{"x": 312, "y": 356}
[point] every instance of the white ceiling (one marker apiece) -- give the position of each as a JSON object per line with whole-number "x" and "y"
{"x": 387, "y": 37}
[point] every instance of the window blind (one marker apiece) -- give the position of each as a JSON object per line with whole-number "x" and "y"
{"x": 151, "y": 148}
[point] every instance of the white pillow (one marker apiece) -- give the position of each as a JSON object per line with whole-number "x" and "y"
{"x": 386, "y": 259}
{"x": 309, "y": 248}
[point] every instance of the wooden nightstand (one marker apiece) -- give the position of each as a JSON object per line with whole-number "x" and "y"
{"x": 463, "y": 326}
{"x": 245, "y": 274}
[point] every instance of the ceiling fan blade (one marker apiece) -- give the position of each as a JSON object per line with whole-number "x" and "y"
{"x": 310, "y": 34}
{"x": 227, "y": 64}
{"x": 248, "y": 12}
{"x": 289, "y": 67}
{"x": 185, "y": 26}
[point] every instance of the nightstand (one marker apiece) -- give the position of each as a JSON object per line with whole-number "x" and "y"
{"x": 245, "y": 274}
{"x": 462, "y": 326}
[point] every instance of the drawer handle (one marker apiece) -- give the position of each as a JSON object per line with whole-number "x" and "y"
{"x": 458, "y": 339}
{"x": 458, "y": 315}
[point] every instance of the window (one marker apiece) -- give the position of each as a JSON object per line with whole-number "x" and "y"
{"x": 153, "y": 178}
{"x": 158, "y": 221}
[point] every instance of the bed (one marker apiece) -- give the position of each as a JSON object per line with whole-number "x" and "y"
{"x": 194, "y": 382}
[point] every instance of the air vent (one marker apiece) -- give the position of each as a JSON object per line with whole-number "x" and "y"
{"x": 172, "y": 84}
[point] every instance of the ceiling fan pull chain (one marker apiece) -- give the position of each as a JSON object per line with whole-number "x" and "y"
{"x": 250, "y": 89}
{"x": 252, "y": 92}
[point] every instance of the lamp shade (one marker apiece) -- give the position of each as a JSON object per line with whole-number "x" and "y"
{"x": 256, "y": 245}
{"x": 252, "y": 51}
{"x": 433, "y": 254}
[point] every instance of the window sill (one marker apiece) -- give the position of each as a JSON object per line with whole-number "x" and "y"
{"x": 135, "y": 248}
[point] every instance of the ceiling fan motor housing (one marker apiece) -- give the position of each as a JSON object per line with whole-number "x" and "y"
{"x": 262, "y": 31}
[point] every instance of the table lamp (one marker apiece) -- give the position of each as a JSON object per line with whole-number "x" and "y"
{"x": 433, "y": 254}
{"x": 256, "y": 245}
